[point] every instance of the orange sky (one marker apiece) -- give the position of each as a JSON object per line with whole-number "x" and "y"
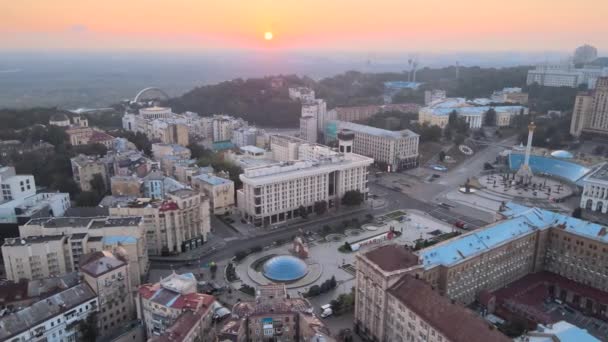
{"x": 364, "y": 25}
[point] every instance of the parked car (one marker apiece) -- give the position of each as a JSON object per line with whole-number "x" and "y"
{"x": 326, "y": 311}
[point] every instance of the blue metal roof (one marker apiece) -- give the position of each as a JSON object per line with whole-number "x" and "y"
{"x": 222, "y": 145}
{"x": 113, "y": 239}
{"x": 402, "y": 85}
{"x": 211, "y": 179}
{"x": 556, "y": 167}
{"x": 520, "y": 221}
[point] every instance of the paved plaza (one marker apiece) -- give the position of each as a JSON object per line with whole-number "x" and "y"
{"x": 325, "y": 260}
{"x": 542, "y": 188}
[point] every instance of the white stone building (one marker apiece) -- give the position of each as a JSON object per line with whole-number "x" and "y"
{"x": 595, "y": 190}
{"x": 273, "y": 193}
{"x": 590, "y": 113}
{"x": 565, "y": 75}
{"x": 54, "y": 319}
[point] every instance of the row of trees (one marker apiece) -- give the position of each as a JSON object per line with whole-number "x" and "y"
{"x": 326, "y": 286}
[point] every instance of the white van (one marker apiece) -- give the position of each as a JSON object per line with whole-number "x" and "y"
{"x": 326, "y": 311}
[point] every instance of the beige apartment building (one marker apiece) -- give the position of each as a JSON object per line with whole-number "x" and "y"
{"x": 82, "y": 235}
{"x": 109, "y": 277}
{"x": 84, "y": 168}
{"x": 36, "y": 257}
{"x": 590, "y": 112}
{"x": 220, "y": 192}
{"x": 176, "y": 224}
{"x": 523, "y": 241}
{"x": 398, "y": 150}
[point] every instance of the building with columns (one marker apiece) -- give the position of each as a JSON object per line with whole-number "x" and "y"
{"x": 273, "y": 193}
{"x": 595, "y": 190}
{"x": 472, "y": 111}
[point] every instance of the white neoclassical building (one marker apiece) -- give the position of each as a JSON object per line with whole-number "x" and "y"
{"x": 274, "y": 193}
{"x": 595, "y": 190}
{"x": 472, "y": 111}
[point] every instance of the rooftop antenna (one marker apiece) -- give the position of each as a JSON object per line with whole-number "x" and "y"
{"x": 457, "y": 70}
{"x": 415, "y": 65}
{"x": 409, "y": 69}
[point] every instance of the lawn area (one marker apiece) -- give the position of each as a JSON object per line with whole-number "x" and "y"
{"x": 428, "y": 150}
{"x": 395, "y": 215}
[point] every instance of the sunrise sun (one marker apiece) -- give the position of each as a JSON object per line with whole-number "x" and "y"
{"x": 268, "y": 35}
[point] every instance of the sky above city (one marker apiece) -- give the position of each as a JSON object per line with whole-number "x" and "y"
{"x": 358, "y": 25}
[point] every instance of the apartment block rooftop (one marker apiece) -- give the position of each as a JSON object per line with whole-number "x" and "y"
{"x": 518, "y": 221}
{"x": 355, "y": 127}
{"x": 89, "y": 222}
{"x": 455, "y": 322}
{"x": 30, "y": 240}
{"x": 305, "y": 167}
{"x": 212, "y": 179}
{"x": 43, "y": 310}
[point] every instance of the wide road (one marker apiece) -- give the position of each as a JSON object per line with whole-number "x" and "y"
{"x": 395, "y": 200}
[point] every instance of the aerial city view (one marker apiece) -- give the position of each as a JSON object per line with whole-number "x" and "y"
{"x": 312, "y": 171}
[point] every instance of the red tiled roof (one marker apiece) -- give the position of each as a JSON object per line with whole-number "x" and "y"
{"x": 392, "y": 257}
{"x": 98, "y": 136}
{"x": 454, "y": 321}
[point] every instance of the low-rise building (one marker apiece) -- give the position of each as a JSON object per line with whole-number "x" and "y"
{"x": 303, "y": 94}
{"x": 15, "y": 186}
{"x": 84, "y": 169}
{"x": 17, "y": 295}
{"x": 109, "y": 277}
{"x": 161, "y": 150}
{"x": 8, "y": 148}
{"x": 561, "y": 331}
{"x": 510, "y": 95}
{"x": 393, "y": 150}
{"x": 84, "y": 135}
{"x": 55, "y": 318}
{"x": 220, "y": 192}
{"x": 172, "y": 309}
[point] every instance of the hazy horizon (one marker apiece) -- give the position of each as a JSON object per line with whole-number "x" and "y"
{"x": 382, "y": 25}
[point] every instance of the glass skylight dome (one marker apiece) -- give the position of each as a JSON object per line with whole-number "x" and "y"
{"x": 284, "y": 268}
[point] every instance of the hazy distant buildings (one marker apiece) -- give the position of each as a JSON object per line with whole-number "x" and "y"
{"x": 584, "y": 54}
{"x": 510, "y": 95}
{"x": 303, "y": 94}
{"x": 590, "y": 112}
{"x": 565, "y": 75}
{"x": 434, "y": 95}
{"x": 364, "y": 113}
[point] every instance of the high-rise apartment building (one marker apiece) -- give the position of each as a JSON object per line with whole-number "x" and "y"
{"x": 590, "y": 113}
{"x": 308, "y": 128}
